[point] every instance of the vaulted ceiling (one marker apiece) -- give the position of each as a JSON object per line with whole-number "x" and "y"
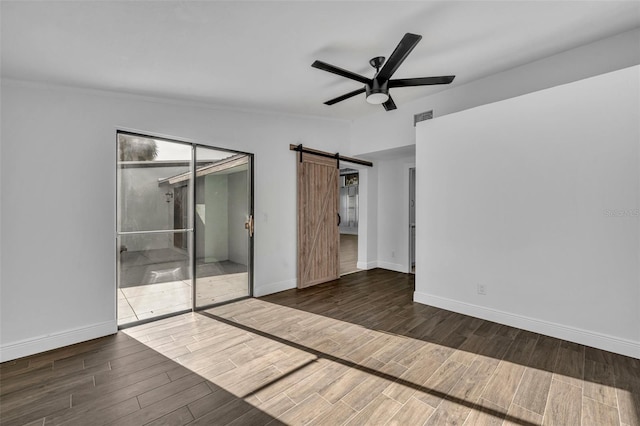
{"x": 258, "y": 55}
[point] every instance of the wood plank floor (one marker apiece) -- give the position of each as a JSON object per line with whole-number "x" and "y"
{"x": 348, "y": 253}
{"x": 356, "y": 351}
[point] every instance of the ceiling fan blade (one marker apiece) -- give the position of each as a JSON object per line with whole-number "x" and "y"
{"x": 406, "y": 45}
{"x": 342, "y": 72}
{"x": 389, "y": 105}
{"x": 345, "y": 96}
{"x": 424, "y": 81}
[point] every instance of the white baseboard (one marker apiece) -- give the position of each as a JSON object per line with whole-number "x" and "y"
{"x": 39, "y": 344}
{"x": 392, "y": 266}
{"x": 274, "y": 287}
{"x": 367, "y": 265}
{"x": 560, "y": 331}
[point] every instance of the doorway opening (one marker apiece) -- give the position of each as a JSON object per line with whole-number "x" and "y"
{"x": 184, "y": 227}
{"x": 412, "y": 220}
{"x": 349, "y": 207}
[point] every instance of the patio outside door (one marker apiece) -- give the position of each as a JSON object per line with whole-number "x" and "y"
{"x": 224, "y": 226}
{"x": 154, "y": 254}
{"x": 182, "y": 240}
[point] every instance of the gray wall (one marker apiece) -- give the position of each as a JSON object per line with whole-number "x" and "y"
{"x": 144, "y": 206}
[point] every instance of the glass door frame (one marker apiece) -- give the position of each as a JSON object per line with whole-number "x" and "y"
{"x": 192, "y": 213}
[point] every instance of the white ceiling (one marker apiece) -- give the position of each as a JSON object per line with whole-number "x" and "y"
{"x": 258, "y": 55}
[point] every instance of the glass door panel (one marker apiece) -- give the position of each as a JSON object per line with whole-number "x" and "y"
{"x": 154, "y": 227}
{"x": 223, "y": 226}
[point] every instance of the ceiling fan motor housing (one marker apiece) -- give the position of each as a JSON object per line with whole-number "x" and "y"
{"x": 377, "y": 93}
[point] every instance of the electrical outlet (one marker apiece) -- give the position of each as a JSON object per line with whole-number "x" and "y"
{"x": 482, "y": 290}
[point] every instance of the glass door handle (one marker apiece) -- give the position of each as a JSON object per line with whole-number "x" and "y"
{"x": 248, "y": 225}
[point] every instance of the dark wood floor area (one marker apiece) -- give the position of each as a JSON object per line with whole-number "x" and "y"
{"x": 356, "y": 351}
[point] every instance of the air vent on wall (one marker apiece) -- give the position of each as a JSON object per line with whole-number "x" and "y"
{"x": 427, "y": 115}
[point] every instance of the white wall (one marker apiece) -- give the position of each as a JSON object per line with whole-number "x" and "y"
{"x": 58, "y": 246}
{"x": 386, "y": 130}
{"x": 393, "y": 213}
{"x": 216, "y": 227}
{"x": 367, "y": 217}
{"x": 238, "y": 242}
{"x": 537, "y": 199}
{"x": 379, "y": 136}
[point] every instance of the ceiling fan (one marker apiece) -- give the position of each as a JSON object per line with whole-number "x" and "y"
{"x": 377, "y": 88}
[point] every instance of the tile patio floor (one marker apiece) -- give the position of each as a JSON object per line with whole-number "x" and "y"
{"x": 148, "y": 301}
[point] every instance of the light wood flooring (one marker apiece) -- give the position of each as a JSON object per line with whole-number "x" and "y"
{"x": 356, "y": 351}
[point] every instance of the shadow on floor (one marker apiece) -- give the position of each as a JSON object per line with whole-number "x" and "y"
{"x": 381, "y": 300}
{"x": 121, "y": 380}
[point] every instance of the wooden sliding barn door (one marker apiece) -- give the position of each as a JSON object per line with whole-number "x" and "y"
{"x": 318, "y": 232}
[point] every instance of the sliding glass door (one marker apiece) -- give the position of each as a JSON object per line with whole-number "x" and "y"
{"x": 183, "y": 241}
{"x": 224, "y": 226}
{"x": 154, "y": 228}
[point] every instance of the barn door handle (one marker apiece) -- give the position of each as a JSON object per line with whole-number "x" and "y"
{"x": 339, "y": 219}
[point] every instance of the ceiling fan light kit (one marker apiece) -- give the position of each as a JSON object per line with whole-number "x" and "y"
{"x": 377, "y": 88}
{"x": 377, "y": 94}
{"x": 377, "y": 98}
